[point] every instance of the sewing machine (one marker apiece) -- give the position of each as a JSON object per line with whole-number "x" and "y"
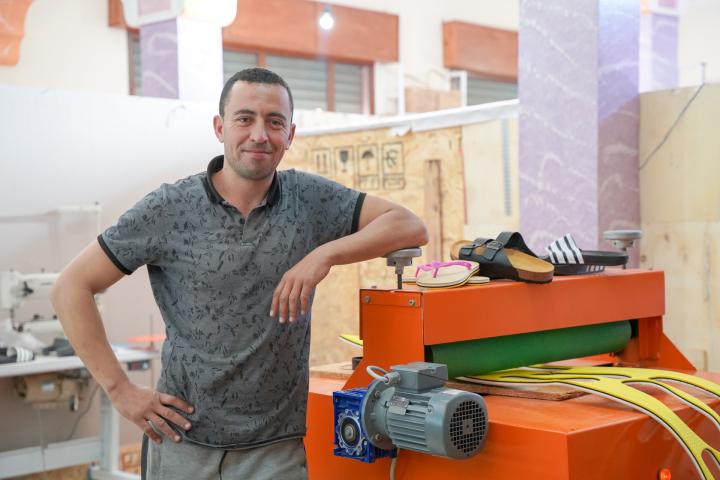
{"x": 614, "y": 318}
{"x": 16, "y": 289}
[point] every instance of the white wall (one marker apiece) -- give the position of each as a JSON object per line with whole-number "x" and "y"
{"x": 69, "y": 148}
{"x": 698, "y": 41}
{"x": 421, "y": 38}
{"x": 68, "y": 44}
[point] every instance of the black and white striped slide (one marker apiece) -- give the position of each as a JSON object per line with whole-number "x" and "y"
{"x": 569, "y": 259}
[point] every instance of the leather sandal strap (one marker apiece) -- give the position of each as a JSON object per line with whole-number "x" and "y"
{"x": 514, "y": 240}
{"x": 492, "y": 247}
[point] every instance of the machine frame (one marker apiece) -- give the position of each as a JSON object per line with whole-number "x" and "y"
{"x": 588, "y": 437}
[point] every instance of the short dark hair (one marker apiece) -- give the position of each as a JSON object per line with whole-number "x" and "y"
{"x": 254, "y": 75}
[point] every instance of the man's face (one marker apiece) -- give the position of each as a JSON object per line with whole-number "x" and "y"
{"x": 256, "y": 128}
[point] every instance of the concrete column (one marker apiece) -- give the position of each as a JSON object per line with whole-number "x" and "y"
{"x": 658, "y": 49}
{"x": 181, "y": 46}
{"x": 578, "y": 90}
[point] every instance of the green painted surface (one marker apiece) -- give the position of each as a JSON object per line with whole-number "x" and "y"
{"x": 475, "y": 357}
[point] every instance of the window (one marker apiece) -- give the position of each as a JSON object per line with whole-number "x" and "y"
{"x": 308, "y": 80}
{"x": 315, "y": 83}
{"x": 480, "y": 90}
{"x": 349, "y": 88}
{"x": 134, "y": 61}
{"x": 235, "y": 61}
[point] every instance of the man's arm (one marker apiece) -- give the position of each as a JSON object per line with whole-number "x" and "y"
{"x": 89, "y": 273}
{"x": 383, "y": 227}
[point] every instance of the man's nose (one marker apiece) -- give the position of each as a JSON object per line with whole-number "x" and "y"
{"x": 258, "y": 134}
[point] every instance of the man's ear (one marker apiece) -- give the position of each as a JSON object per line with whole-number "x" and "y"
{"x": 218, "y": 127}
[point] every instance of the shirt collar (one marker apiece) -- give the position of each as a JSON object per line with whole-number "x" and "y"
{"x": 216, "y": 165}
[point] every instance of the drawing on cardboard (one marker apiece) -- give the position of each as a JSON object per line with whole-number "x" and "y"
{"x": 344, "y": 160}
{"x": 392, "y": 155}
{"x": 321, "y": 160}
{"x": 368, "y": 167}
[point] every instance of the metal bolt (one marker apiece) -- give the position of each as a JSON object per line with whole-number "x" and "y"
{"x": 366, "y": 299}
{"x": 411, "y": 302}
{"x": 377, "y": 437}
{"x": 376, "y": 394}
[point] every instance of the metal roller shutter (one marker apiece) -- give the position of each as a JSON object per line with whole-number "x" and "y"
{"x": 486, "y": 91}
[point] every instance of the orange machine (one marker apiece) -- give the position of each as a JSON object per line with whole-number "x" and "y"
{"x": 583, "y": 438}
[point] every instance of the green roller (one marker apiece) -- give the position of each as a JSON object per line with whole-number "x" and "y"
{"x": 476, "y": 357}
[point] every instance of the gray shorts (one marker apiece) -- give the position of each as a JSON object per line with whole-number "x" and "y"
{"x": 284, "y": 460}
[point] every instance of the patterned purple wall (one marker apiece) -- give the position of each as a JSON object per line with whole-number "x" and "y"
{"x": 578, "y": 85}
{"x": 159, "y": 59}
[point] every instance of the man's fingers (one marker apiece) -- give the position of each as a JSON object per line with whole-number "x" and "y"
{"x": 163, "y": 426}
{"x": 284, "y": 297}
{"x": 166, "y": 399}
{"x": 282, "y": 306}
{"x": 276, "y": 297}
{"x": 174, "y": 417}
{"x": 304, "y": 299}
{"x": 293, "y": 300}
{"x": 149, "y": 431}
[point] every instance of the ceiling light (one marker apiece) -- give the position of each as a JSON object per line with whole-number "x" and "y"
{"x": 326, "y": 20}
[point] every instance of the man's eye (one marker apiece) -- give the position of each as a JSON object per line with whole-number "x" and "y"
{"x": 277, "y": 123}
{"x": 243, "y": 120}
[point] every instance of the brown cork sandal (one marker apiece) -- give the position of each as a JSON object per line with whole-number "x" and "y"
{"x": 505, "y": 257}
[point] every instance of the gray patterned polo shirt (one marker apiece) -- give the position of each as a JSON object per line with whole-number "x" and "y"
{"x": 213, "y": 274}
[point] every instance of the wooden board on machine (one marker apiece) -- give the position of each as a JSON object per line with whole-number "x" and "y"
{"x": 343, "y": 370}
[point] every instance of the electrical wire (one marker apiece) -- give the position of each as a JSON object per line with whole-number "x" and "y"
{"x": 393, "y": 463}
{"x": 370, "y": 369}
{"x": 82, "y": 414}
{"x": 672, "y": 127}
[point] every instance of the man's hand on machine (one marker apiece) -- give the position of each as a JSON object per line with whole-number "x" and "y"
{"x": 297, "y": 284}
{"x": 141, "y": 405}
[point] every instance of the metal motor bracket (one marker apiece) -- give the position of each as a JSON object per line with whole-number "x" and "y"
{"x": 374, "y": 395}
{"x": 400, "y": 259}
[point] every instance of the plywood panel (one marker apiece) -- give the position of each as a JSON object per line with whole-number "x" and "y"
{"x": 680, "y": 213}
{"x": 491, "y": 182}
{"x": 381, "y": 164}
{"x": 681, "y": 182}
{"x": 689, "y": 253}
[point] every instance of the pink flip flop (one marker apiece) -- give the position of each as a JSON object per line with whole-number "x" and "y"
{"x": 445, "y": 274}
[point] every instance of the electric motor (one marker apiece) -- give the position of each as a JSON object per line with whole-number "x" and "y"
{"x": 409, "y": 408}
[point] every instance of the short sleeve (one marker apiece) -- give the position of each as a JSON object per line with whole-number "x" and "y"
{"x": 138, "y": 236}
{"x": 332, "y": 209}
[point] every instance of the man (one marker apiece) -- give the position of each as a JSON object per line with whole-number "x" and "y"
{"x": 234, "y": 255}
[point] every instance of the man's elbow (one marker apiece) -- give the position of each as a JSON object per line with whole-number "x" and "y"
{"x": 418, "y": 234}
{"x": 56, "y": 293}
{"x": 421, "y": 234}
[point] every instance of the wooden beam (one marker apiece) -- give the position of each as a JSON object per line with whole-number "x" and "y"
{"x": 487, "y": 52}
{"x": 116, "y": 16}
{"x": 331, "y": 86}
{"x": 12, "y": 29}
{"x": 290, "y": 27}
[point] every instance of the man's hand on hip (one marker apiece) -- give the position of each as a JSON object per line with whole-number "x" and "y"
{"x": 141, "y": 405}
{"x": 297, "y": 284}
